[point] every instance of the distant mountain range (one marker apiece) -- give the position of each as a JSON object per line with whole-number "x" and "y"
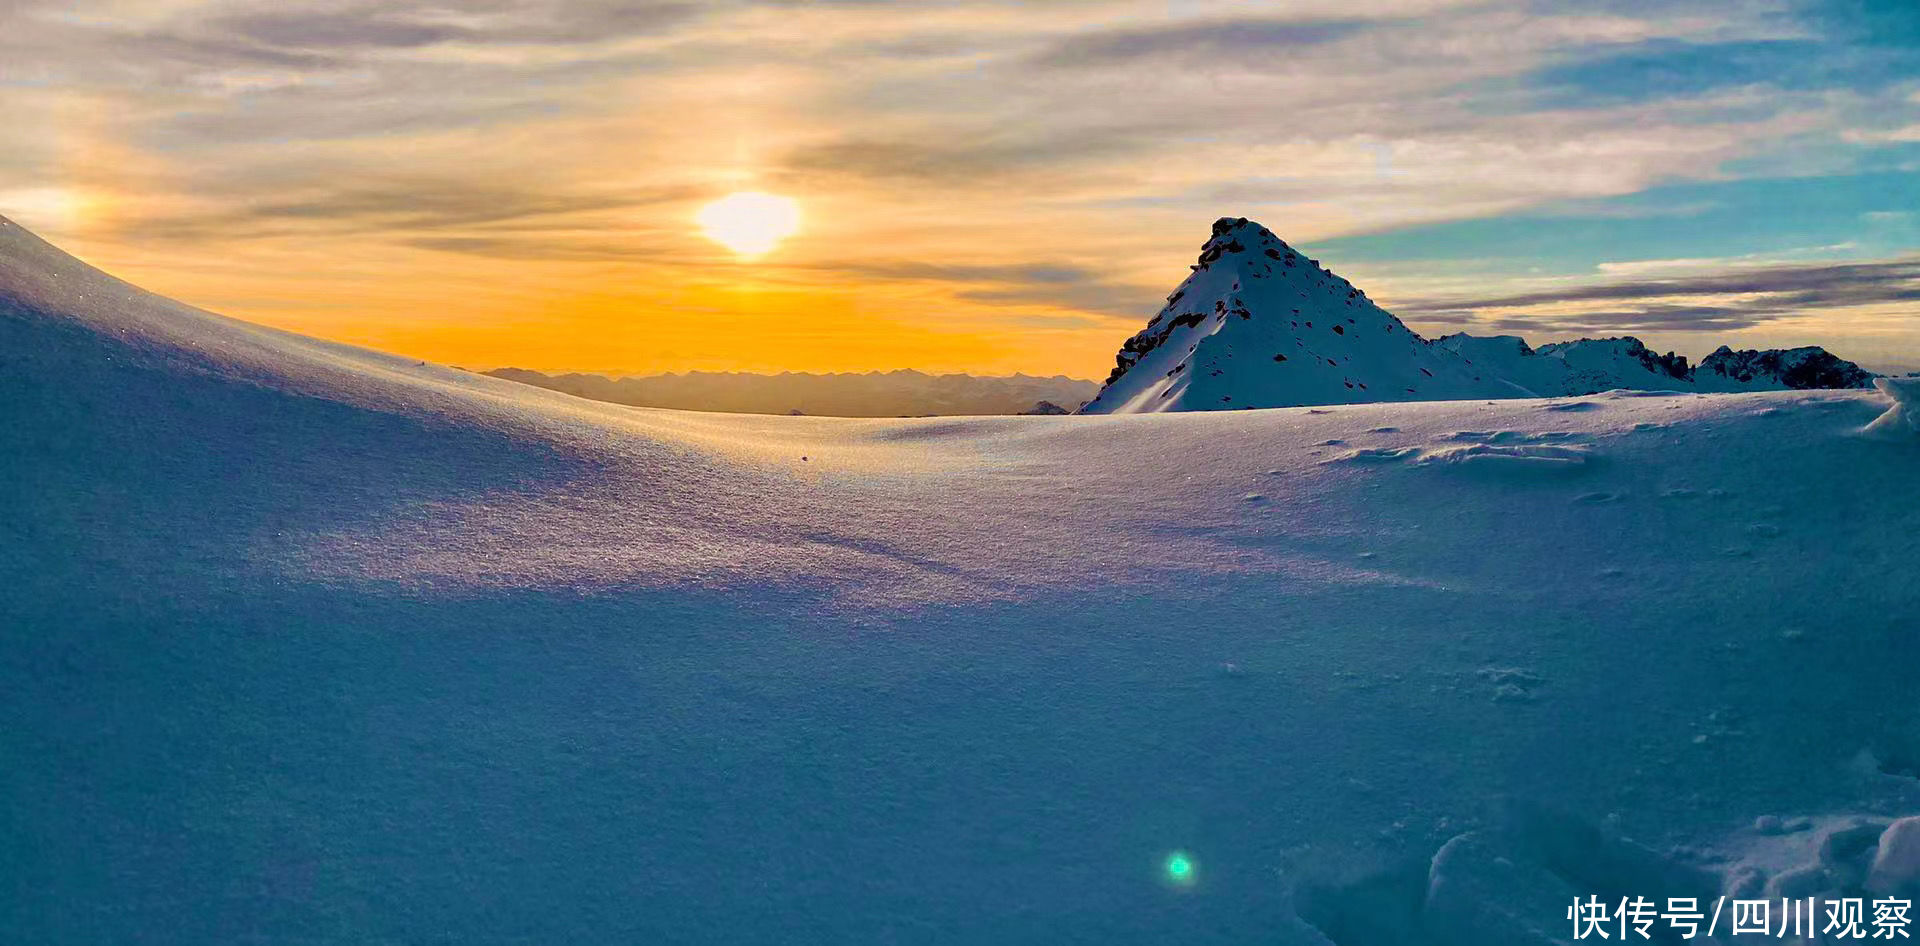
{"x": 1258, "y": 324}
{"x": 904, "y": 393}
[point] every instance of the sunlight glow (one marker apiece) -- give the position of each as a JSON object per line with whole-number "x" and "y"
{"x": 750, "y": 223}
{"x": 50, "y": 209}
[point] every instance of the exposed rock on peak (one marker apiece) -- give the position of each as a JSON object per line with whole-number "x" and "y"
{"x": 1794, "y": 368}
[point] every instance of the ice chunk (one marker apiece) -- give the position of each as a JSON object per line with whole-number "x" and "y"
{"x": 1896, "y": 867}
{"x": 1902, "y": 420}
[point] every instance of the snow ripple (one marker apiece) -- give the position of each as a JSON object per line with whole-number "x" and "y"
{"x": 1511, "y": 459}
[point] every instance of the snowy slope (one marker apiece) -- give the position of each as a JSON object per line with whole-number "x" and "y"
{"x": 308, "y": 644}
{"x": 1561, "y": 369}
{"x": 1258, "y": 324}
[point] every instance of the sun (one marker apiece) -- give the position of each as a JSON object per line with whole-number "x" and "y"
{"x": 749, "y": 223}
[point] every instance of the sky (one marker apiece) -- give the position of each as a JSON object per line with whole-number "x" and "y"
{"x": 984, "y": 187}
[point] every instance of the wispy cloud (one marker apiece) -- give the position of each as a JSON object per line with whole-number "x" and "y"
{"x": 1204, "y": 44}
{"x": 1744, "y": 298}
{"x": 1053, "y": 285}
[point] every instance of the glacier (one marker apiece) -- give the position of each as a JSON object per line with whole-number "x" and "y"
{"x": 305, "y": 643}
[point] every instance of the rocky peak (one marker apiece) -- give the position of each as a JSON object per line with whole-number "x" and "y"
{"x": 1795, "y": 368}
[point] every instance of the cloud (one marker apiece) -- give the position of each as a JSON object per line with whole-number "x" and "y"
{"x": 604, "y": 248}
{"x": 966, "y": 161}
{"x": 1743, "y": 299}
{"x": 1652, "y": 317}
{"x": 479, "y": 22}
{"x": 334, "y": 29}
{"x": 1216, "y": 41}
{"x": 403, "y": 205}
{"x": 1061, "y": 285}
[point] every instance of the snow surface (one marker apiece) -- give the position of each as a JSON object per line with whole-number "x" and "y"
{"x": 310, "y": 644}
{"x": 1258, "y": 324}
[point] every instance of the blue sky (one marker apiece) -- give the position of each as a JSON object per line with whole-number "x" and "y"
{"x": 1840, "y": 215}
{"x": 984, "y": 186}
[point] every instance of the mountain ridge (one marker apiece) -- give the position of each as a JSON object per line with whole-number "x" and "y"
{"x": 1240, "y": 332}
{"x": 901, "y": 392}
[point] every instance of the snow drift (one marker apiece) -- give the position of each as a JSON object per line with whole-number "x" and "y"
{"x": 309, "y": 644}
{"x": 1903, "y": 418}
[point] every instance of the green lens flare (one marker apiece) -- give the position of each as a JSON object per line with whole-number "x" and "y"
{"x": 1179, "y": 868}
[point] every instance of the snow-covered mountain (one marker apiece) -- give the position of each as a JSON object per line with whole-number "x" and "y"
{"x": 301, "y": 643}
{"x": 1589, "y": 366}
{"x": 1258, "y": 324}
{"x": 1563, "y": 369}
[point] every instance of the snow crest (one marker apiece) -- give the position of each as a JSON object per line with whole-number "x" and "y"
{"x": 1902, "y": 420}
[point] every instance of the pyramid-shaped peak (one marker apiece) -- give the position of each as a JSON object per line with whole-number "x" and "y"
{"x": 1246, "y": 240}
{"x": 1238, "y": 235}
{"x": 1259, "y": 324}
{"x": 1243, "y": 229}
